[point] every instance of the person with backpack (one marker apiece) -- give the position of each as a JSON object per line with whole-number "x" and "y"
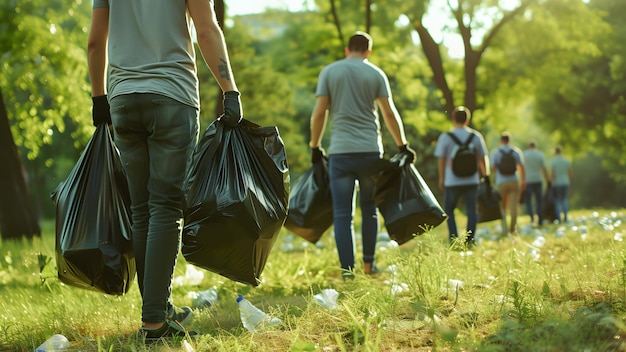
{"x": 508, "y": 166}
{"x": 461, "y": 157}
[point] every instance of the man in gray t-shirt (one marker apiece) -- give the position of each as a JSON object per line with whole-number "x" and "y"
{"x": 349, "y": 92}
{"x": 154, "y": 109}
{"x": 536, "y": 172}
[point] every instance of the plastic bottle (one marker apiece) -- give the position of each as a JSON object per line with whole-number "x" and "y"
{"x": 252, "y": 317}
{"x": 56, "y": 342}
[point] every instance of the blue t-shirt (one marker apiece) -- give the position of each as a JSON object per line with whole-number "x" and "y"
{"x": 353, "y": 86}
{"x": 446, "y": 148}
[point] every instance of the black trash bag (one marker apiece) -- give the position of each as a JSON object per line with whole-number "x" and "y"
{"x": 310, "y": 204}
{"x": 237, "y": 194}
{"x": 549, "y": 209}
{"x": 405, "y": 201}
{"x": 488, "y": 202}
{"x": 93, "y": 224}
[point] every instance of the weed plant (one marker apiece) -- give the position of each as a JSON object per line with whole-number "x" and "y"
{"x": 560, "y": 287}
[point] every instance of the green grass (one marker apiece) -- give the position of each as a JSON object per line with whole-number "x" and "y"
{"x": 558, "y": 288}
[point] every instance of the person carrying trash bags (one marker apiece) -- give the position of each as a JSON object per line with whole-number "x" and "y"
{"x": 153, "y": 104}
{"x": 348, "y": 91}
{"x": 459, "y": 177}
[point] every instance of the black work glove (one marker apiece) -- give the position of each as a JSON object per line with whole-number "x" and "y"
{"x": 100, "y": 111}
{"x": 407, "y": 153}
{"x": 232, "y": 109}
{"x": 317, "y": 154}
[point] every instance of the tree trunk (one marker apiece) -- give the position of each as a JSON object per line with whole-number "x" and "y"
{"x": 433, "y": 55}
{"x": 333, "y": 7}
{"x": 368, "y": 16}
{"x": 17, "y": 214}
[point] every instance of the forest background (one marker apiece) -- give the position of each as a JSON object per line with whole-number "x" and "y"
{"x": 549, "y": 70}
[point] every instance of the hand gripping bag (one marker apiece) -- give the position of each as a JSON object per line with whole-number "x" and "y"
{"x": 405, "y": 201}
{"x": 93, "y": 233}
{"x": 310, "y": 204}
{"x": 488, "y": 202}
{"x": 237, "y": 195}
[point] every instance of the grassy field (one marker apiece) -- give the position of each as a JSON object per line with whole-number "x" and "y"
{"x": 555, "y": 288}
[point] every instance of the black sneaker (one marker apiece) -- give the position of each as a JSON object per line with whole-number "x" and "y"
{"x": 347, "y": 275}
{"x": 167, "y": 330}
{"x": 183, "y": 315}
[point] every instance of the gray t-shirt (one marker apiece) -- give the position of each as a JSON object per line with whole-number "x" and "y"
{"x": 446, "y": 147}
{"x": 534, "y": 162}
{"x": 560, "y": 166}
{"x": 150, "y": 49}
{"x": 353, "y": 86}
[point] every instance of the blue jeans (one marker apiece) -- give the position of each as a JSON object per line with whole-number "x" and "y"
{"x": 156, "y": 137}
{"x": 560, "y": 202}
{"x": 344, "y": 170}
{"x": 533, "y": 190}
{"x": 450, "y": 201}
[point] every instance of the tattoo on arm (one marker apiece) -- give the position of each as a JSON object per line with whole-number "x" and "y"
{"x": 223, "y": 68}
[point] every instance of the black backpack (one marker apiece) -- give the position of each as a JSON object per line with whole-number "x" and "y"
{"x": 508, "y": 164}
{"x": 464, "y": 160}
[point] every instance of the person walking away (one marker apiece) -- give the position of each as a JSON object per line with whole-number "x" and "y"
{"x": 508, "y": 166}
{"x": 348, "y": 91}
{"x": 536, "y": 172}
{"x": 152, "y": 89}
{"x": 462, "y": 181}
{"x": 561, "y": 176}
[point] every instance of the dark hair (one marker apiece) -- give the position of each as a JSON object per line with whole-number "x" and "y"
{"x": 461, "y": 114}
{"x": 360, "y": 42}
{"x": 505, "y": 137}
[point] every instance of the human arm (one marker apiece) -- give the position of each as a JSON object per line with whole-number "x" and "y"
{"x": 570, "y": 173}
{"x": 97, "y": 49}
{"x": 318, "y": 120}
{"x": 392, "y": 120}
{"x": 441, "y": 170}
{"x": 212, "y": 43}
{"x": 482, "y": 167}
{"x": 97, "y": 61}
{"x": 395, "y": 127}
{"x": 522, "y": 175}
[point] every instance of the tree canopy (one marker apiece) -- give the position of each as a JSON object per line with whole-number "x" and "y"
{"x": 552, "y": 70}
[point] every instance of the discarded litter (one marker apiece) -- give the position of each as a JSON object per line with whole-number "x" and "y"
{"x": 56, "y": 342}
{"x": 252, "y": 318}
{"x": 203, "y": 299}
{"x": 327, "y": 298}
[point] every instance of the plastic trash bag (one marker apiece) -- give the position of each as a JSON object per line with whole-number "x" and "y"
{"x": 237, "y": 195}
{"x": 93, "y": 223}
{"x": 549, "y": 209}
{"x": 310, "y": 204}
{"x": 488, "y": 202}
{"x": 405, "y": 201}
